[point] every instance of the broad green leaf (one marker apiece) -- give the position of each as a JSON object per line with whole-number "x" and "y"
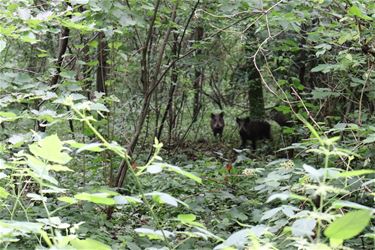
{"x": 68, "y": 74}
{"x": 18, "y": 139}
{"x": 319, "y": 246}
{"x": 98, "y": 198}
{"x": 122, "y": 200}
{"x": 314, "y": 173}
{"x": 189, "y": 219}
{"x": 186, "y": 218}
{"x": 8, "y": 115}
{"x": 153, "y": 234}
{"x": 93, "y": 147}
{"x": 155, "y": 168}
{"x": 183, "y": 172}
{"x": 340, "y": 204}
{"x": 165, "y": 198}
{"x": 303, "y": 227}
{"x": 355, "y": 11}
{"x": 59, "y": 168}
{"x": 370, "y": 139}
{"x": 3, "y": 44}
{"x": 67, "y": 199}
{"x": 54, "y": 221}
{"x": 3, "y": 193}
{"x": 289, "y": 211}
{"x": 40, "y": 168}
{"x": 98, "y": 107}
{"x": 356, "y": 173}
{"x": 22, "y": 226}
{"x": 323, "y": 93}
{"x": 50, "y": 148}
{"x": 238, "y": 240}
{"x": 325, "y": 68}
{"x": 24, "y": 13}
{"x": 36, "y": 197}
{"x": 282, "y": 196}
{"x": 29, "y": 38}
{"x": 347, "y": 226}
{"x": 83, "y": 27}
{"x": 74, "y": 2}
{"x": 207, "y": 234}
{"x": 89, "y": 244}
{"x": 270, "y": 213}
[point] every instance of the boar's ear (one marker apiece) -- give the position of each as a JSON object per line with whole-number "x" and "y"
{"x": 212, "y": 115}
{"x": 238, "y": 120}
{"x": 222, "y": 114}
{"x": 247, "y": 119}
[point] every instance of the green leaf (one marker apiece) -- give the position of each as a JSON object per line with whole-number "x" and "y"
{"x": 355, "y": 11}
{"x": 324, "y": 68}
{"x": 162, "y": 198}
{"x": 83, "y": 27}
{"x": 189, "y": 219}
{"x": 370, "y": 139}
{"x": 347, "y": 226}
{"x": 68, "y": 74}
{"x": 3, "y": 193}
{"x": 98, "y": 198}
{"x": 40, "y": 168}
{"x": 98, "y": 107}
{"x": 21, "y": 226}
{"x": 94, "y": 147}
{"x": 59, "y": 168}
{"x": 3, "y": 44}
{"x": 74, "y": 2}
{"x": 323, "y": 93}
{"x": 29, "y": 38}
{"x": 122, "y": 200}
{"x": 356, "y": 173}
{"x": 153, "y": 234}
{"x": 186, "y": 218}
{"x": 8, "y": 115}
{"x": 50, "y": 149}
{"x": 183, "y": 172}
{"x": 238, "y": 240}
{"x": 303, "y": 227}
{"x": 341, "y": 204}
{"x": 89, "y": 244}
{"x": 67, "y": 199}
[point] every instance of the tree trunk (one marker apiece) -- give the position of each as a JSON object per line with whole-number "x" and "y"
{"x": 101, "y": 72}
{"x": 198, "y": 82}
{"x": 63, "y": 45}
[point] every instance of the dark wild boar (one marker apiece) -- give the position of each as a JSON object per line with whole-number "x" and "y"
{"x": 281, "y": 118}
{"x": 253, "y": 130}
{"x": 217, "y": 124}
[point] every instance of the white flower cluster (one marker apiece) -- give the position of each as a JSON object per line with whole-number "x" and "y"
{"x": 248, "y": 172}
{"x": 288, "y": 164}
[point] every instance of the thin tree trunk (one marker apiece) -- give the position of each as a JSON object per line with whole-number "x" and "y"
{"x": 101, "y": 72}
{"x": 149, "y": 86}
{"x": 198, "y": 82}
{"x": 63, "y": 45}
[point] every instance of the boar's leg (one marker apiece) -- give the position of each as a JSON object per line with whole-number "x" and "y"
{"x": 243, "y": 143}
{"x": 254, "y": 143}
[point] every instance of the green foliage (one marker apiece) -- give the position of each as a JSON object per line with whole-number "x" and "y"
{"x": 311, "y": 60}
{"x": 347, "y": 226}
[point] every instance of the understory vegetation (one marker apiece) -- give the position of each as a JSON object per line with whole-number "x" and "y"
{"x": 220, "y": 124}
